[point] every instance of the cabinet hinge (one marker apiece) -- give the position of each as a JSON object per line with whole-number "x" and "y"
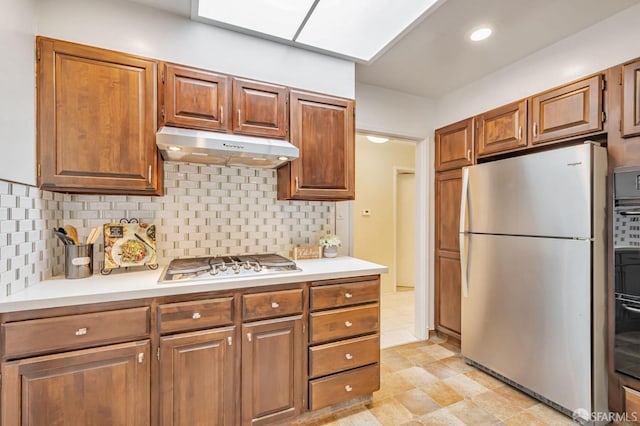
{"x": 162, "y": 77}
{"x": 39, "y": 170}
{"x": 604, "y": 84}
{"x": 162, "y": 113}
{"x": 620, "y": 79}
{"x": 38, "y": 53}
{"x": 158, "y": 354}
{"x": 604, "y": 116}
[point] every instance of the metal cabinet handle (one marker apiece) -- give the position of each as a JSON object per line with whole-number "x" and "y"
{"x": 81, "y": 331}
{"x": 348, "y": 388}
{"x": 348, "y": 356}
{"x": 535, "y": 130}
{"x": 230, "y": 340}
{"x": 140, "y": 357}
{"x": 520, "y": 133}
{"x": 348, "y": 295}
{"x": 348, "y": 324}
{"x": 249, "y": 336}
{"x": 149, "y": 175}
{"x": 468, "y": 156}
{"x": 275, "y": 305}
{"x": 221, "y": 114}
{"x": 196, "y": 315}
{"x": 297, "y": 184}
{"x": 239, "y": 117}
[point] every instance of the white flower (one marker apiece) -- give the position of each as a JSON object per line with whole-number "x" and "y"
{"x": 330, "y": 240}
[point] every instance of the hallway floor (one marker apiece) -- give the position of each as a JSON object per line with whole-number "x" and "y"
{"x": 427, "y": 383}
{"x": 397, "y": 317}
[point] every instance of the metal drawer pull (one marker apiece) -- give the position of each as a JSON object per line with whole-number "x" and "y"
{"x": 348, "y": 295}
{"x": 81, "y": 331}
{"x": 348, "y": 356}
{"x": 275, "y": 305}
{"x": 196, "y": 315}
{"x": 348, "y": 388}
{"x": 348, "y": 323}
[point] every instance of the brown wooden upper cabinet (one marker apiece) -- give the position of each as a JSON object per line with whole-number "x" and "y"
{"x": 259, "y": 109}
{"x": 96, "y": 120}
{"x": 454, "y": 145}
{"x": 194, "y": 98}
{"x": 502, "y": 129}
{"x": 323, "y": 129}
{"x": 567, "y": 111}
{"x": 631, "y": 99}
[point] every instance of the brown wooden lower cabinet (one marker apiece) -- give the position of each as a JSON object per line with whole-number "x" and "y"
{"x": 100, "y": 386}
{"x": 632, "y": 404}
{"x": 219, "y": 358}
{"x": 197, "y": 378}
{"x": 272, "y": 370}
{"x": 447, "y": 293}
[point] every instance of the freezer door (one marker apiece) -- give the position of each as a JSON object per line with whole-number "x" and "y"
{"x": 544, "y": 194}
{"x": 527, "y": 316}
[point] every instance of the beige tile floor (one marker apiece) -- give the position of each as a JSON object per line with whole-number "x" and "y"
{"x": 397, "y": 318}
{"x": 428, "y": 383}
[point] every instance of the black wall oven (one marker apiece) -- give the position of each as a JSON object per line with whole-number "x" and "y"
{"x": 627, "y": 271}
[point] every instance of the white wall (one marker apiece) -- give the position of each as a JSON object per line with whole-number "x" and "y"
{"x": 607, "y": 43}
{"x": 390, "y": 112}
{"x": 137, "y": 29}
{"x": 17, "y": 85}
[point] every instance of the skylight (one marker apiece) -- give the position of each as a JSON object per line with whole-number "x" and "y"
{"x": 356, "y": 29}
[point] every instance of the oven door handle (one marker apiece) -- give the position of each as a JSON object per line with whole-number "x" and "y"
{"x": 630, "y": 213}
{"x": 631, "y": 309}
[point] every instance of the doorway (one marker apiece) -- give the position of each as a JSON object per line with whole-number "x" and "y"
{"x": 405, "y": 216}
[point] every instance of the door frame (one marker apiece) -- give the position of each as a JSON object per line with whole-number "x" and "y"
{"x": 397, "y": 171}
{"x": 424, "y": 226}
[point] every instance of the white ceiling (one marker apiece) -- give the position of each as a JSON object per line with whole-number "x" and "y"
{"x": 436, "y": 56}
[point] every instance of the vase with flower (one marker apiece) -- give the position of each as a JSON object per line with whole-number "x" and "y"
{"x": 330, "y": 244}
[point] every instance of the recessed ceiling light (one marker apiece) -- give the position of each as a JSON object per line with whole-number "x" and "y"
{"x": 480, "y": 34}
{"x": 377, "y": 139}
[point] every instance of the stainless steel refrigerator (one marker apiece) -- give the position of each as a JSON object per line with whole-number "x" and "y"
{"x": 532, "y": 249}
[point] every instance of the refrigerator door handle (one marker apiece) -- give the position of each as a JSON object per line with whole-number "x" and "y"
{"x": 463, "y": 199}
{"x": 465, "y": 249}
{"x": 464, "y": 267}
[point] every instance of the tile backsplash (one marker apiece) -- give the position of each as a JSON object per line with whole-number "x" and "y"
{"x": 206, "y": 210}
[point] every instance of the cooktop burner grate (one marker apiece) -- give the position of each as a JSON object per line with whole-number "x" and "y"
{"x": 201, "y": 268}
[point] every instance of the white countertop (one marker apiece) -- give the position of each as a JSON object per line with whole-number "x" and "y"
{"x": 124, "y": 285}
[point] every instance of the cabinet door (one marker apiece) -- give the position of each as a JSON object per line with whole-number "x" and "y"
{"x": 96, "y": 120}
{"x": 447, "y": 219}
{"x": 454, "y": 145}
{"x": 195, "y": 99}
{"x": 502, "y": 129}
{"x": 197, "y": 377}
{"x": 447, "y": 262}
{"x": 448, "y": 317}
{"x": 631, "y": 99}
{"x": 572, "y": 110}
{"x": 323, "y": 129}
{"x": 101, "y": 386}
{"x": 259, "y": 109}
{"x": 272, "y": 370}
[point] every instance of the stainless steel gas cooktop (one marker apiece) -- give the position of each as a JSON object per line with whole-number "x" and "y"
{"x": 207, "y": 268}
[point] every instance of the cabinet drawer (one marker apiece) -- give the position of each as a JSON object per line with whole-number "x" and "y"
{"x": 345, "y": 322}
{"x": 343, "y": 355}
{"x": 74, "y": 331}
{"x": 271, "y": 304}
{"x": 344, "y": 294}
{"x": 197, "y": 314}
{"x": 631, "y": 403}
{"x": 343, "y": 386}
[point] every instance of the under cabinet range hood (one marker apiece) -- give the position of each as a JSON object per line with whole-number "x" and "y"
{"x": 224, "y": 149}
